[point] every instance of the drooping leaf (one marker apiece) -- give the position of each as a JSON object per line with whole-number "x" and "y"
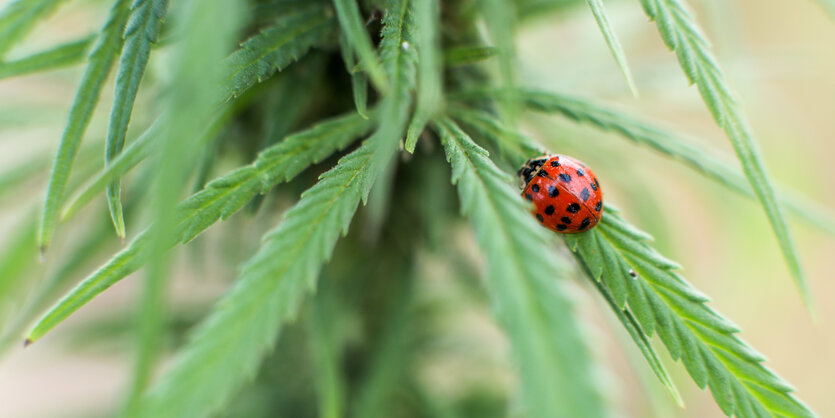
{"x": 276, "y": 47}
{"x": 133, "y": 154}
{"x": 221, "y": 198}
{"x": 141, "y": 32}
{"x": 554, "y": 364}
{"x": 646, "y": 283}
{"x": 612, "y": 41}
{"x": 352, "y": 25}
{"x": 429, "y": 92}
{"x": 268, "y": 293}
{"x": 108, "y": 45}
{"x": 60, "y": 56}
{"x": 683, "y": 36}
{"x": 359, "y": 79}
{"x": 18, "y": 19}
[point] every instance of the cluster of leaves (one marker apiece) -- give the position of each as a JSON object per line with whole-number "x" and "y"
{"x": 312, "y": 78}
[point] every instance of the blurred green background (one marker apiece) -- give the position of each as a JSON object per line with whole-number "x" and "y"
{"x": 779, "y": 57}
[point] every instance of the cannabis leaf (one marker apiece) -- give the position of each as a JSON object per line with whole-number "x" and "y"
{"x": 268, "y": 293}
{"x": 683, "y": 36}
{"x": 60, "y": 56}
{"x": 554, "y": 364}
{"x": 207, "y": 37}
{"x": 108, "y": 46}
{"x": 276, "y": 47}
{"x": 638, "y": 277}
{"x": 429, "y": 94}
{"x": 356, "y": 36}
{"x": 220, "y": 199}
{"x": 140, "y": 33}
{"x": 612, "y": 41}
{"x": 697, "y": 155}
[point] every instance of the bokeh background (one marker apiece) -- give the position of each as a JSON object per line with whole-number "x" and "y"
{"x": 779, "y": 57}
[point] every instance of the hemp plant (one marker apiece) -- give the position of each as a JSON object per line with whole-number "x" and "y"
{"x": 371, "y": 136}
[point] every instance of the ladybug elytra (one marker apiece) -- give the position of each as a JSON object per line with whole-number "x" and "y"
{"x": 566, "y": 195}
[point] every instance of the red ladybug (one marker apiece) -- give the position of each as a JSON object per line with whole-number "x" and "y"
{"x": 566, "y": 195}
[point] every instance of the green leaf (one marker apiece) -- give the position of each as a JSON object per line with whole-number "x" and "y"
{"x": 514, "y": 146}
{"x": 60, "y": 56}
{"x": 430, "y": 83}
{"x": 268, "y": 293}
{"x": 696, "y": 155}
{"x": 354, "y": 30}
{"x": 108, "y": 46}
{"x": 500, "y": 20}
{"x": 327, "y": 348}
{"x": 466, "y": 55}
{"x": 19, "y": 258}
{"x": 630, "y": 323}
{"x": 132, "y": 155}
{"x": 359, "y": 79}
{"x": 140, "y": 33}
{"x": 665, "y": 303}
{"x": 207, "y": 38}
{"x": 602, "y": 19}
{"x": 42, "y": 296}
{"x": 18, "y": 19}
{"x": 683, "y": 36}
{"x": 554, "y": 364}
{"x": 140, "y": 148}
{"x": 276, "y": 47}
{"x": 399, "y": 56}
{"x": 221, "y": 198}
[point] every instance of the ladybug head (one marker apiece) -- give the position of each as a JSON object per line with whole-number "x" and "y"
{"x": 529, "y": 170}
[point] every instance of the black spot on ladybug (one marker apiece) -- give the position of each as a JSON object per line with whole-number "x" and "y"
{"x": 529, "y": 196}
{"x": 553, "y": 191}
{"x": 585, "y": 194}
{"x": 565, "y": 220}
{"x": 599, "y": 205}
{"x": 561, "y": 227}
{"x": 585, "y": 223}
{"x": 542, "y": 173}
{"x": 594, "y": 185}
{"x": 573, "y": 208}
{"x": 565, "y": 177}
{"x": 549, "y": 210}
{"x": 580, "y": 172}
{"x": 540, "y": 218}
{"x": 555, "y": 163}
{"x": 535, "y": 188}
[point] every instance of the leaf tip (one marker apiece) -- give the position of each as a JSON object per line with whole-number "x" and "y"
{"x": 27, "y": 342}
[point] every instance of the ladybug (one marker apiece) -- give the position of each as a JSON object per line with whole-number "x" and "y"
{"x": 566, "y": 195}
